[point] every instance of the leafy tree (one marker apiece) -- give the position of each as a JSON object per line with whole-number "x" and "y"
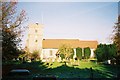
{"x": 116, "y": 36}
{"x": 62, "y": 56}
{"x": 100, "y": 53}
{"x": 116, "y": 39}
{"x": 11, "y": 29}
{"x": 66, "y": 51}
{"x": 105, "y": 52}
{"x": 71, "y": 56}
{"x": 79, "y": 53}
{"x": 112, "y": 51}
{"x": 87, "y": 52}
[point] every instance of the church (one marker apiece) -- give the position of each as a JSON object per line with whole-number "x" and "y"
{"x": 49, "y": 47}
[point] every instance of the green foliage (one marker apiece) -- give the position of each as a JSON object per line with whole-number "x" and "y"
{"x": 87, "y": 52}
{"x": 79, "y": 53}
{"x": 35, "y": 55}
{"x": 71, "y": 56}
{"x": 62, "y": 56}
{"x": 67, "y": 51}
{"x": 105, "y": 52}
{"x": 116, "y": 39}
{"x": 11, "y": 30}
{"x": 22, "y": 55}
{"x": 116, "y": 36}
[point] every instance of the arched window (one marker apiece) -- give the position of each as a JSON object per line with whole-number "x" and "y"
{"x": 51, "y": 53}
{"x": 35, "y": 31}
{"x": 36, "y": 40}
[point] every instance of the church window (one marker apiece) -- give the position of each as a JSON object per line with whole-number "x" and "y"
{"x": 36, "y": 23}
{"x": 51, "y": 53}
{"x": 36, "y": 31}
{"x": 36, "y": 40}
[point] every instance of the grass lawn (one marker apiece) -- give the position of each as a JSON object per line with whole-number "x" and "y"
{"x": 83, "y": 70}
{"x": 60, "y": 70}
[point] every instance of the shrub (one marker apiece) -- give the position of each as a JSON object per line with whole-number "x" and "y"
{"x": 105, "y": 52}
{"x": 87, "y": 52}
{"x": 79, "y": 53}
{"x": 35, "y": 55}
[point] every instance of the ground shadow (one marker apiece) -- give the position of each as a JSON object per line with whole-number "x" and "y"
{"x": 34, "y": 67}
{"x": 64, "y": 71}
{"x": 40, "y": 70}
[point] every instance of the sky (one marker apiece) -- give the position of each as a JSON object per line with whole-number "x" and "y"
{"x": 68, "y": 0}
{"x": 73, "y": 20}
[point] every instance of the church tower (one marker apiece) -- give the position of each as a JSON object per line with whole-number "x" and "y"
{"x": 35, "y": 37}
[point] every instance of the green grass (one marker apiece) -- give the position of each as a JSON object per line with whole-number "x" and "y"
{"x": 83, "y": 70}
{"x": 69, "y": 71}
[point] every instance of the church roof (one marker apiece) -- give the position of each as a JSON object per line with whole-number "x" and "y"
{"x": 74, "y": 43}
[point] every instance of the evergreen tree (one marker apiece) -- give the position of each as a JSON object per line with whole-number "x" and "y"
{"x": 87, "y": 52}
{"x": 79, "y": 53}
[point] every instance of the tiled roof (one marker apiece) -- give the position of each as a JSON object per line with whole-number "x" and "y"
{"x": 74, "y": 43}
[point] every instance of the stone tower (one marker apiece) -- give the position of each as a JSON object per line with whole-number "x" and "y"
{"x": 35, "y": 37}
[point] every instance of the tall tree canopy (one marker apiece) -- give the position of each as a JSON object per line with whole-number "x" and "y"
{"x": 11, "y": 29}
{"x": 116, "y": 36}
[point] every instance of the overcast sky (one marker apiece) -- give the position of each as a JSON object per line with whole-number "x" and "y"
{"x": 73, "y": 20}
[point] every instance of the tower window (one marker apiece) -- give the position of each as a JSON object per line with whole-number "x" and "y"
{"x": 36, "y": 31}
{"x": 37, "y": 23}
{"x": 36, "y": 40}
{"x": 51, "y": 53}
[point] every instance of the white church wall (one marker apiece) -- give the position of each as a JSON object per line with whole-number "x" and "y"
{"x": 92, "y": 55}
{"x": 45, "y": 56}
{"x": 48, "y": 54}
{"x": 74, "y": 53}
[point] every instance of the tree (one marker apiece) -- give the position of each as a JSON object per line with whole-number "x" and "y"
{"x": 112, "y": 50}
{"x": 66, "y": 52}
{"x": 35, "y": 55}
{"x": 116, "y": 36}
{"x": 87, "y": 52}
{"x": 105, "y": 52}
{"x": 79, "y": 53}
{"x": 62, "y": 56}
{"x": 11, "y": 29}
{"x": 71, "y": 56}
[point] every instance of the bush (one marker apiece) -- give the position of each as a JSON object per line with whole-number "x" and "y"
{"x": 79, "y": 53}
{"x": 62, "y": 56}
{"x": 105, "y": 52}
{"x": 87, "y": 52}
{"x": 66, "y": 51}
{"x": 35, "y": 55}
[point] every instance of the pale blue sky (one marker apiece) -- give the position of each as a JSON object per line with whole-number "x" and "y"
{"x": 76, "y": 20}
{"x": 68, "y": 0}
